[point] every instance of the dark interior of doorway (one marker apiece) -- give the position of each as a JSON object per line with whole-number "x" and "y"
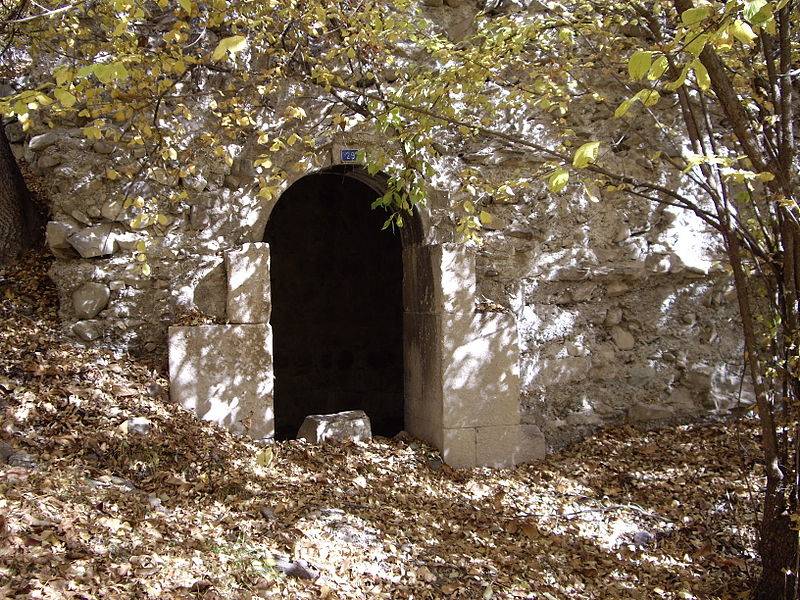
{"x": 337, "y": 313}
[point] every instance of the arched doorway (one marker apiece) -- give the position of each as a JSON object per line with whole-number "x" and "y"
{"x": 337, "y": 313}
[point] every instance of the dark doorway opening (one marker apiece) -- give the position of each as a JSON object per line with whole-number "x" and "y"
{"x": 337, "y": 314}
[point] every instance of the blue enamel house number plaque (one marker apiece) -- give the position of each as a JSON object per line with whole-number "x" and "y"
{"x": 349, "y": 155}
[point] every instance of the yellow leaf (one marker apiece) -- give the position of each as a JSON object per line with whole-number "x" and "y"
{"x": 639, "y": 64}
{"x": 485, "y": 217}
{"x": 292, "y": 139}
{"x": 701, "y": 74}
{"x": 264, "y": 458}
{"x": 742, "y": 32}
{"x": 146, "y": 269}
{"x": 586, "y": 154}
{"x": 141, "y": 246}
{"x": 558, "y": 180}
{"x": 232, "y": 45}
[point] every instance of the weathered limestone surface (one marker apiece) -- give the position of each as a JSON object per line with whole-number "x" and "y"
{"x": 349, "y": 425}
{"x": 572, "y": 313}
{"x": 248, "y": 272}
{"x": 89, "y": 299}
{"x": 235, "y": 392}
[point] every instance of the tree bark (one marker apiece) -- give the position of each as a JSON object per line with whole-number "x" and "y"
{"x": 777, "y": 546}
{"x": 20, "y": 220}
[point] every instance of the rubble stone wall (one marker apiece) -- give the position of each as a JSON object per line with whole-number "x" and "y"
{"x": 622, "y": 309}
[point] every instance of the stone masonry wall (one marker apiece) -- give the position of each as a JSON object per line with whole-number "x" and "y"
{"x": 622, "y": 309}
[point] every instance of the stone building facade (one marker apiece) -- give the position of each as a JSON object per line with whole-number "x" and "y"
{"x": 575, "y": 312}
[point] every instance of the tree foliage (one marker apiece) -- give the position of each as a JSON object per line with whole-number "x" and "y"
{"x": 700, "y": 95}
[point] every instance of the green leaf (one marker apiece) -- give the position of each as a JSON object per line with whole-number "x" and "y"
{"x": 648, "y": 97}
{"x": 623, "y": 108}
{"x": 64, "y": 97}
{"x": 639, "y": 64}
{"x": 701, "y": 74}
{"x": 558, "y": 180}
{"x": 752, "y": 8}
{"x": 233, "y": 44}
{"x": 674, "y": 85}
{"x": 586, "y": 154}
{"x": 695, "y": 15}
{"x": 742, "y": 32}
{"x": 696, "y": 45}
{"x": 658, "y": 68}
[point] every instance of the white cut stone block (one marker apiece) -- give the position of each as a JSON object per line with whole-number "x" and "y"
{"x": 498, "y": 447}
{"x": 224, "y": 373}
{"x": 349, "y": 425}
{"x": 458, "y": 448}
{"x": 480, "y": 370}
{"x": 248, "y": 284}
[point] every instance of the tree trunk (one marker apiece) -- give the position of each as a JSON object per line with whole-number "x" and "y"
{"x": 20, "y": 221}
{"x": 777, "y": 547}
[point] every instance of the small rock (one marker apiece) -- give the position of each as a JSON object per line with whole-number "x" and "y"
{"x": 154, "y": 390}
{"x": 348, "y": 425}
{"x": 48, "y": 162}
{"x": 643, "y": 538}
{"x": 5, "y": 452}
{"x": 138, "y": 426}
{"x": 21, "y": 459}
{"x": 88, "y": 331}
{"x": 639, "y": 376}
{"x": 40, "y": 142}
{"x": 89, "y": 299}
{"x": 617, "y": 288}
{"x": 103, "y": 147}
{"x": 196, "y": 183}
{"x": 613, "y": 317}
{"x": 295, "y": 568}
{"x": 91, "y": 242}
{"x": 623, "y": 338}
{"x": 14, "y": 132}
{"x": 112, "y": 210}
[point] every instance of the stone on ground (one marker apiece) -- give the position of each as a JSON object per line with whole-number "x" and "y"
{"x": 349, "y": 425}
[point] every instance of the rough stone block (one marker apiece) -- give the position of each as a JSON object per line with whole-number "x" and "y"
{"x": 45, "y": 140}
{"x": 623, "y": 338}
{"x": 348, "y": 425}
{"x": 248, "y": 284}
{"x": 57, "y": 233}
{"x": 481, "y": 370}
{"x": 89, "y": 299}
{"x": 237, "y": 392}
{"x": 91, "y": 242}
{"x": 458, "y": 448}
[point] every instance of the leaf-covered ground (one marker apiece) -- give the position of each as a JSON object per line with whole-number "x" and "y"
{"x": 186, "y": 510}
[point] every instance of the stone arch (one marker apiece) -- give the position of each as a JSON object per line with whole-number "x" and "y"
{"x": 337, "y": 308}
{"x": 460, "y": 367}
